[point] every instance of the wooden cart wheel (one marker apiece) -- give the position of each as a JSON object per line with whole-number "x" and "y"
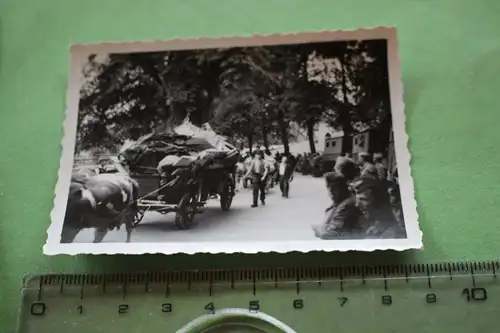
{"x": 186, "y": 211}
{"x": 226, "y": 197}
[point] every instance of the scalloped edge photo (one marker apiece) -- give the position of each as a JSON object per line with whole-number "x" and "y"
{"x": 80, "y": 54}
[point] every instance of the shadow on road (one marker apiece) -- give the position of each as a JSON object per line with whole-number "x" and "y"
{"x": 211, "y": 218}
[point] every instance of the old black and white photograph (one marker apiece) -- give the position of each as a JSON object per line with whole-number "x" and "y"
{"x": 272, "y": 143}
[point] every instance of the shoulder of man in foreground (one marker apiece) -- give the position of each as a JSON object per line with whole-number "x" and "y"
{"x": 346, "y": 207}
{"x": 346, "y": 212}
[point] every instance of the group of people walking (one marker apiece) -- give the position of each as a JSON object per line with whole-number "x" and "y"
{"x": 311, "y": 164}
{"x": 365, "y": 196}
{"x": 366, "y": 201}
{"x": 265, "y": 171}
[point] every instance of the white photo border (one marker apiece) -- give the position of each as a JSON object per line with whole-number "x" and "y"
{"x": 80, "y": 53}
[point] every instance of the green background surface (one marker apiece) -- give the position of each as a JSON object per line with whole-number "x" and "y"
{"x": 450, "y": 51}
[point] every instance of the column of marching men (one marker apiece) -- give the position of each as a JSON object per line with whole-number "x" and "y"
{"x": 365, "y": 196}
{"x": 262, "y": 171}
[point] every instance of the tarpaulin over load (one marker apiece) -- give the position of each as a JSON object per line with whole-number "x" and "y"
{"x": 181, "y": 147}
{"x": 210, "y": 158}
{"x": 206, "y": 132}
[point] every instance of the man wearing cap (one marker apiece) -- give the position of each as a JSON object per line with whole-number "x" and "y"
{"x": 256, "y": 151}
{"x": 378, "y": 158}
{"x": 270, "y": 164}
{"x": 347, "y": 168}
{"x": 342, "y": 216}
{"x": 395, "y": 196}
{"x": 258, "y": 171}
{"x": 372, "y": 199}
{"x": 366, "y": 165}
{"x": 285, "y": 172}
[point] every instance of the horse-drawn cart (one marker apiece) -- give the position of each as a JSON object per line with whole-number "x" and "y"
{"x": 179, "y": 174}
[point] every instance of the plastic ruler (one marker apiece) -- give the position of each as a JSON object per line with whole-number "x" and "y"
{"x": 448, "y": 297}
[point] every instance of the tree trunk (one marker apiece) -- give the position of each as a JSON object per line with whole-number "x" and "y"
{"x": 283, "y": 131}
{"x": 205, "y": 96}
{"x": 345, "y": 116}
{"x": 266, "y": 141}
{"x": 265, "y": 138}
{"x": 199, "y": 115}
{"x": 383, "y": 135}
{"x": 347, "y": 140}
{"x": 156, "y": 74}
{"x": 250, "y": 142}
{"x": 195, "y": 117}
{"x": 206, "y": 114}
{"x": 311, "y": 121}
{"x": 310, "y": 135}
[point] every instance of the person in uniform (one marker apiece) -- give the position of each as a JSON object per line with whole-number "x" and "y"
{"x": 285, "y": 172}
{"x": 240, "y": 172}
{"x": 270, "y": 163}
{"x": 305, "y": 166}
{"x": 380, "y": 166}
{"x": 292, "y": 160}
{"x": 346, "y": 167}
{"x": 343, "y": 216}
{"x": 366, "y": 165}
{"x": 256, "y": 151}
{"x": 395, "y": 196}
{"x": 298, "y": 162}
{"x": 277, "y": 159}
{"x": 258, "y": 171}
{"x": 372, "y": 199}
{"x": 246, "y": 167}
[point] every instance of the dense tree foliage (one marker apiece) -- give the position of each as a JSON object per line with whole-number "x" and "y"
{"x": 253, "y": 94}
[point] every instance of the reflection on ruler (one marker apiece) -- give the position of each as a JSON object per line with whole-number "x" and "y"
{"x": 450, "y": 297}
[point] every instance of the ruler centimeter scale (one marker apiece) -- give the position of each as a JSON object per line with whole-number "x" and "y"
{"x": 449, "y": 297}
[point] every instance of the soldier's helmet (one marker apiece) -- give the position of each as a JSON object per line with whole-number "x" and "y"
{"x": 378, "y": 157}
{"x": 365, "y": 183}
{"x": 346, "y": 167}
{"x": 335, "y": 180}
{"x": 366, "y": 156}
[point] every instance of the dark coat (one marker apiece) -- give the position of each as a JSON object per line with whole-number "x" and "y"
{"x": 289, "y": 168}
{"x": 384, "y": 224}
{"x": 369, "y": 169}
{"x": 344, "y": 216}
{"x": 342, "y": 221}
{"x": 381, "y": 171}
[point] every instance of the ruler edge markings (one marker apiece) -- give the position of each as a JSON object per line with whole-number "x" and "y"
{"x": 255, "y": 275}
